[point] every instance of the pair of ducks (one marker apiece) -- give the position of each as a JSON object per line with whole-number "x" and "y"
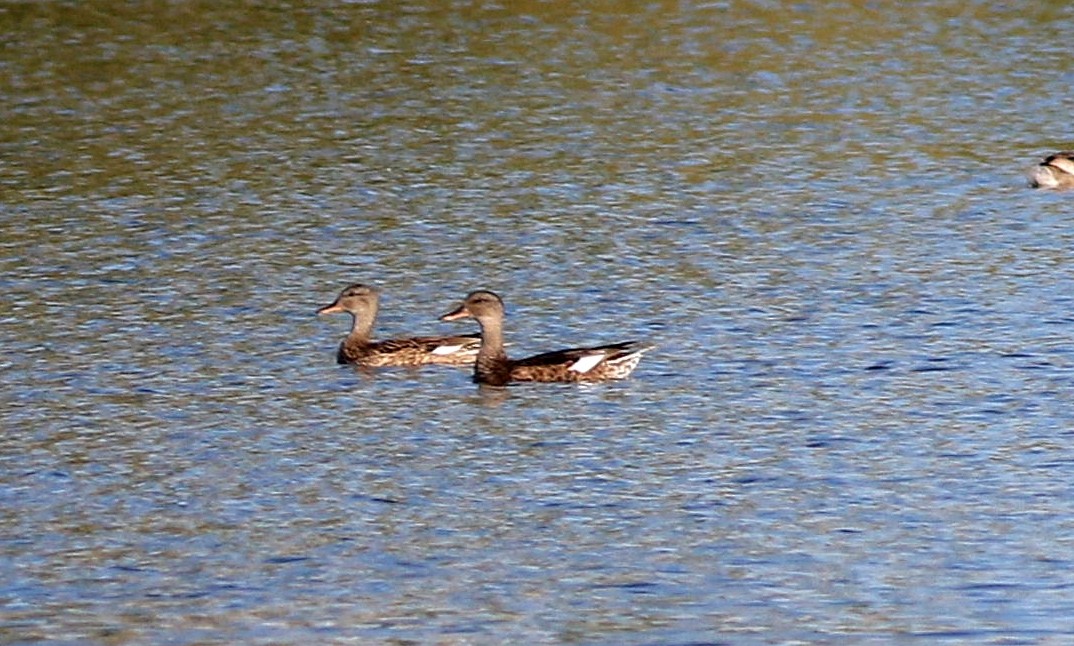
{"x": 1056, "y": 171}
{"x": 485, "y": 351}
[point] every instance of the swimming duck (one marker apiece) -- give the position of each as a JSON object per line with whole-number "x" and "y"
{"x": 1056, "y": 171}
{"x": 599, "y": 363}
{"x": 361, "y": 302}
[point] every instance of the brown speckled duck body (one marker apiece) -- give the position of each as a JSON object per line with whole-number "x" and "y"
{"x": 362, "y": 302}
{"x": 1056, "y": 171}
{"x": 599, "y": 363}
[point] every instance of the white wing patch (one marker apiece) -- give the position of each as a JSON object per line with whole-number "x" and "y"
{"x": 1063, "y": 164}
{"x": 587, "y": 363}
{"x": 448, "y": 349}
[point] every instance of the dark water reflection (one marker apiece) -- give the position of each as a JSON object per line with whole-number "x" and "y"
{"x": 855, "y": 426}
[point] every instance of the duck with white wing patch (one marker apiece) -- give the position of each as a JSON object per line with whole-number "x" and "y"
{"x": 492, "y": 367}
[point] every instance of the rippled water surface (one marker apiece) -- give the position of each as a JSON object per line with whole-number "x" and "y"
{"x": 856, "y": 426}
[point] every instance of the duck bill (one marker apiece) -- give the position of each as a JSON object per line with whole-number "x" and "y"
{"x": 456, "y": 314}
{"x": 330, "y": 309}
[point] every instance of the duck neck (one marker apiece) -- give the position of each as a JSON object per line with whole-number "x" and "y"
{"x": 491, "y": 340}
{"x": 361, "y": 327}
{"x": 491, "y": 365}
